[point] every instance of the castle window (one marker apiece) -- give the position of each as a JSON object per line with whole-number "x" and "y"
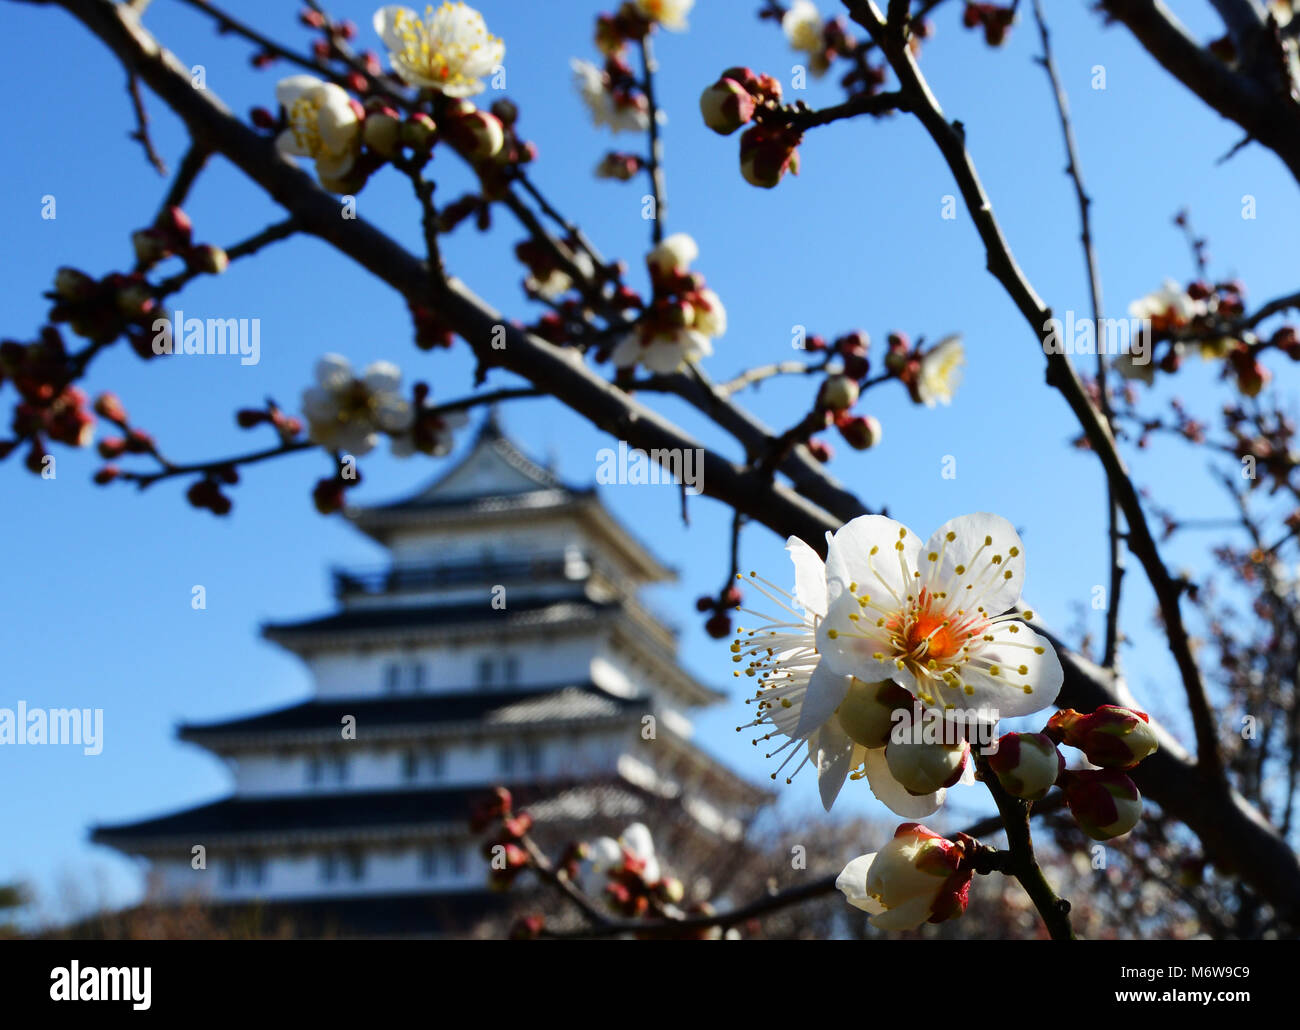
{"x": 437, "y": 764}
{"x": 457, "y": 861}
{"x": 429, "y": 863}
{"x": 417, "y": 676}
{"x": 506, "y": 758}
{"x": 356, "y": 865}
{"x": 329, "y": 867}
{"x": 392, "y": 677}
{"x": 410, "y": 765}
{"x": 314, "y": 769}
{"x": 485, "y": 669}
{"x": 339, "y": 769}
{"x": 511, "y": 670}
{"x": 533, "y": 756}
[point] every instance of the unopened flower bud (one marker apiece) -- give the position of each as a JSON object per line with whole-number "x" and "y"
{"x": 382, "y": 131}
{"x": 1026, "y": 764}
{"x": 867, "y": 712}
{"x": 418, "y": 131}
{"x": 73, "y": 285}
{"x": 1112, "y": 737}
{"x": 1104, "y": 802}
{"x": 861, "y": 432}
{"x": 108, "y": 406}
{"x": 766, "y": 154}
{"x": 209, "y": 258}
{"x": 838, "y": 393}
{"x": 726, "y": 106}
{"x": 477, "y": 134}
{"x": 924, "y": 768}
{"x": 915, "y": 878}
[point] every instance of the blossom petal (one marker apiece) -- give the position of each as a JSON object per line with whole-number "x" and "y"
{"x": 289, "y": 89}
{"x": 985, "y": 547}
{"x": 907, "y": 916}
{"x": 849, "y": 558}
{"x": 849, "y": 643}
{"x": 893, "y": 793}
{"x": 825, "y": 691}
{"x": 832, "y": 751}
{"x": 1014, "y": 647}
{"x": 809, "y": 576}
{"x": 852, "y": 882}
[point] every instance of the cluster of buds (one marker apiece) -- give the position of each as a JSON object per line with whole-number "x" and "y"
{"x": 172, "y": 235}
{"x": 329, "y": 46}
{"x": 488, "y": 140}
{"x": 840, "y": 390}
{"x": 132, "y": 440}
{"x": 1104, "y": 802}
{"x": 995, "y": 20}
{"x": 633, "y": 881}
{"x": 506, "y": 858}
{"x": 718, "y": 624}
{"x": 768, "y": 148}
{"x": 49, "y": 407}
{"x": 1268, "y": 440}
{"x": 287, "y": 426}
{"x": 918, "y": 877}
{"x": 682, "y": 316}
{"x": 206, "y": 494}
{"x": 101, "y": 310}
{"x": 430, "y": 431}
{"x": 620, "y": 166}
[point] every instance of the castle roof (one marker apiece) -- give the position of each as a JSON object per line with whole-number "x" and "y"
{"x": 420, "y": 716}
{"x": 350, "y": 817}
{"x": 495, "y": 482}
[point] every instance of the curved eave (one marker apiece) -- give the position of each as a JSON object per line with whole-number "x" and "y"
{"x": 230, "y": 743}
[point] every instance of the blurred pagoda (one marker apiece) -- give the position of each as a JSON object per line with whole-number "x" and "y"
{"x": 503, "y": 643}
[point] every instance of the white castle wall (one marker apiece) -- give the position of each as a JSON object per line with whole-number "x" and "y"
{"x": 459, "y": 763}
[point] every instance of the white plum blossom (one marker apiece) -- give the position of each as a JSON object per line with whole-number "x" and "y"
{"x": 348, "y": 413}
{"x": 674, "y": 253}
{"x": 941, "y": 618}
{"x": 803, "y": 27}
{"x": 1136, "y": 366}
{"x": 1170, "y": 307}
{"x": 608, "y": 855}
{"x": 449, "y": 49}
{"x": 322, "y": 125}
{"x": 621, "y": 114}
{"x": 671, "y": 14}
{"x": 685, "y": 317}
{"x": 783, "y": 655}
{"x": 940, "y": 372}
{"x": 664, "y": 351}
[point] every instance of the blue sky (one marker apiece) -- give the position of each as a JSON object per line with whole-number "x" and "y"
{"x": 96, "y": 609}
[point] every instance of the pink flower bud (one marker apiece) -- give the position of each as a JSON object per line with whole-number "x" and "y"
{"x": 1113, "y": 737}
{"x": 726, "y": 106}
{"x": 1104, "y": 802}
{"x": 1027, "y": 764}
{"x": 767, "y": 153}
{"x": 861, "y": 432}
{"x": 382, "y": 132}
{"x": 476, "y": 134}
